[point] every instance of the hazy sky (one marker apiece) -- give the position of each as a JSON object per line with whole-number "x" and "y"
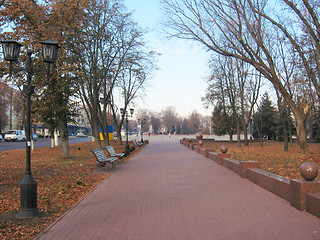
{"x": 180, "y": 82}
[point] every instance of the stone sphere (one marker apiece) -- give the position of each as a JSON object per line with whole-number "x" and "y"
{"x": 199, "y": 135}
{"x": 309, "y": 171}
{"x": 200, "y": 143}
{"x": 224, "y": 149}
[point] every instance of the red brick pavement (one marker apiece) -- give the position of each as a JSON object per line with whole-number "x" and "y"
{"x": 170, "y": 192}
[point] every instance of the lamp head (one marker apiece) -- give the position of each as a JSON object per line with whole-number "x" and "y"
{"x": 49, "y": 51}
{"x": 11, "y": 50}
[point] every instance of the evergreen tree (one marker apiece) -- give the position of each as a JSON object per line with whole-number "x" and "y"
{"x": 265, "y": 120}
{"x": 222, "y": 123}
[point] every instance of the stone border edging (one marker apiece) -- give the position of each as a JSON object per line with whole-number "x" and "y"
{"x": 302, "y": 194}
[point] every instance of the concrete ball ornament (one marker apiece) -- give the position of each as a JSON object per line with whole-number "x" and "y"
{"x": 309, "y": 171}
{"x": 224, "y": 149}
{"x": 199, "y": 135}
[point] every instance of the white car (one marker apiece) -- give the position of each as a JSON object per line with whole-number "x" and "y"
{"x": 82, "y": 133}
{"x": 34, "y": 137}
{"x": 15, "y": 135}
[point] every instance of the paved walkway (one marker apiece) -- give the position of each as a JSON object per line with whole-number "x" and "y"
{"x": 168, "y": 191}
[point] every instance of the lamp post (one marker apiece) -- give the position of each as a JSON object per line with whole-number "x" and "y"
{"x": 127, "y": 131}
{"x": 142, "y": 122}
{"x": 28, "y": 186}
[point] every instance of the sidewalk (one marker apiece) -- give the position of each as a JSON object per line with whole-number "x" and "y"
{"x": 168, "y": 191}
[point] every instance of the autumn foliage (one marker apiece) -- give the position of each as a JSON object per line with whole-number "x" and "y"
{"x": 61, "y": 184}
{"x": 272, "y": 157}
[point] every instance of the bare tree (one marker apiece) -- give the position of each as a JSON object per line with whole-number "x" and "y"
{"x": 134, "y": 76}
{"x": 235, "y": 86}
{"x": 144, "y": 114}
{"x": 243, "y": 29}
{"x": 169, "y": 118}
{"x": 193, "y": 122}
{"x": 103, "y": 46}
{"x": 155, "y": 121}
{"x": 249, "y": 82}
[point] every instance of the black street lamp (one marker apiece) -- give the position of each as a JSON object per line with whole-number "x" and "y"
{"x": 28, "y": 186}
{"x": 142, "y": 123}
{"x": 127, "y": 131}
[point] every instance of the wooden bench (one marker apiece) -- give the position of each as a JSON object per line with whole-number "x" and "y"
{"x": 136, "y": 143}
{"x": 113, "y": 153}
{"x": 102, "y": 159}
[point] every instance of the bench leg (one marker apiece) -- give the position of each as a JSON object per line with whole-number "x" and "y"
{"x": 100, "y": 164}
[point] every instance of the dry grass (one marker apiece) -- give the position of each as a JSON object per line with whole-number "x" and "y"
{"x": 272, "y": 157}
{"x": 61, "y": 184}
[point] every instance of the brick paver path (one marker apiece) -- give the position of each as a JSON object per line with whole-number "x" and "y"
{"x": 170, "y": 192}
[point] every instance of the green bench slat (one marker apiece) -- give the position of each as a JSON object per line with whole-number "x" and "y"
{"x": 113, "y": 153}
{"x": 101, "y": 157}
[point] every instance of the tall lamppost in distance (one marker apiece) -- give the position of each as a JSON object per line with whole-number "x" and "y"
{"x": 127, "y": 121}
{"x": 28, "y": 186}
{"x": 142, "y": 122}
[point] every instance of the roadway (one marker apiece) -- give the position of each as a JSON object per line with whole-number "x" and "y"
{"x": 41, "y": 142}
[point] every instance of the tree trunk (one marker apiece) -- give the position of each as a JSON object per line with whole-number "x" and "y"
{"x": 238, "y": 133}
{"x": 231, "y": 137}
{"x": 300, "y": 120}
{"x": 51, "y": 130}
{"x": 103, "y": 121}
{"x": 117, "y": 125}
{"x": 285, "y": 133}
{"x": 95, "y": 120}
{"x": 290, "y": 131}
{"x": 245, "y": 133}
{"x": 302, "y": 136}
{"x": 282, "y": 111}
{"x": 300, "y": 116}
{"x": 52, "y": 142}
{"x": 119, "y": 136}
{"x": 259, "y": 130}
{"x": 64, "y": 137}
{"x": 106, "y": 134}
{"x": 95, "y": 131}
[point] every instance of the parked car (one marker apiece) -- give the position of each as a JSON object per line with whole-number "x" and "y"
{"x": 34, "y": 137}
{"x": 82, "y": 133}
{"x": 1, "y": 138}
{"x": 15, "y": 135}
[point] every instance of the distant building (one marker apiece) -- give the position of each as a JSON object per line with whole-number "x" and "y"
{"x": 12, "y": 104}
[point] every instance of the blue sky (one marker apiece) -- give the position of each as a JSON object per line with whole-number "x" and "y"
{"x": 180, "y": 82}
